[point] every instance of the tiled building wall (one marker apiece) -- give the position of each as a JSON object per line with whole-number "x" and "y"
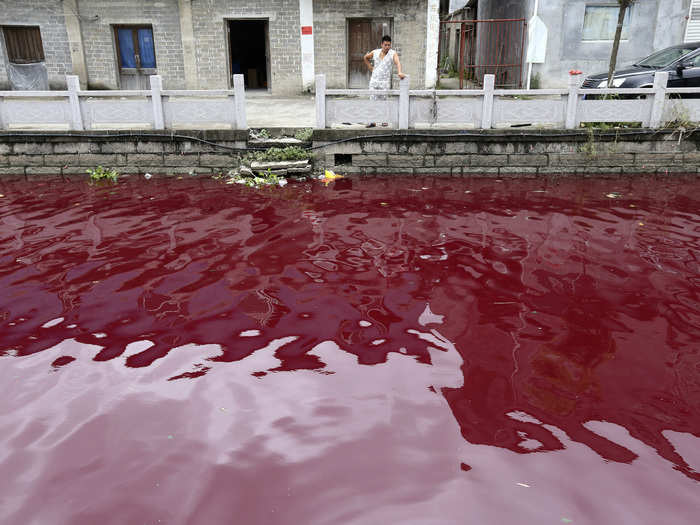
{"x": 331, "y": 37}
{"x": 209, "y": 21}
{"x": 99, "y": 45}
{"x": 48, "y": 15}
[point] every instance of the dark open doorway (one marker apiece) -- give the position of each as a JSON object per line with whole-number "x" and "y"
{"x": 248, "y": 52}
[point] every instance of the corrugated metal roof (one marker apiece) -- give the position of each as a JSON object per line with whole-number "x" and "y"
{"x": 692, "y": 31}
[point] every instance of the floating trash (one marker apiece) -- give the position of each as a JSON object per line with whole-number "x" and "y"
{"x": 147, "y": 175}
{"x": 53, "y": 322}
{"x": 329, "y": 176}
{"x": 613, "y": 195}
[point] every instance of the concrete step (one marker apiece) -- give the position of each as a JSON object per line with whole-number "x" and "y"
{"x": 279, "y": 165}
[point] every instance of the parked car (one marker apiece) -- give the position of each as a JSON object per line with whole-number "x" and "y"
{"x": 682, "y": 63}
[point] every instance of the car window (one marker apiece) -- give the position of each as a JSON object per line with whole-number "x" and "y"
{"x": 695, "y": 61}
{"x": 665, "y": 56}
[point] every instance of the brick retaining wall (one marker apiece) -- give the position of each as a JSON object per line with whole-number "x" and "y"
{"x": 74, "y": 153}
{"x": 510, "y": 153}
{"x": 362, "y": 152}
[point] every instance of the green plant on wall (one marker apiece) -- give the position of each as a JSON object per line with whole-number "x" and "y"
{"x": 679, "y": 117}
{"x": 101, "y": 173}
{"x": 589, "y": 148}
{"x": 304, "y": 134}
{"x": 278, "y": 154}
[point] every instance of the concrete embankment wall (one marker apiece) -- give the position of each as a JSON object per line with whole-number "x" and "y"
{"x": 509, "y": 152}
{"x": 363, "y": 152}
{"x": 47, "y": 153}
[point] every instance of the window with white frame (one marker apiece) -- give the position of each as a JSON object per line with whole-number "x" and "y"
{"x": 600, "y": 22}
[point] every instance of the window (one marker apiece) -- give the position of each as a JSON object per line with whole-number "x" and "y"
{"x": 666, "y": 57}
{"x": 135, "y": 49}
{"x": 600, "y": 22}
{"x": 23, "y": 44}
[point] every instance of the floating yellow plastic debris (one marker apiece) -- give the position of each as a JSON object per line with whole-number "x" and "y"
{"x": 329, "y": 177}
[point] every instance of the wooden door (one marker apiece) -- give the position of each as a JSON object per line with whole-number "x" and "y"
{"x": 135, "y": 56}
{"x": 364, "y": 35}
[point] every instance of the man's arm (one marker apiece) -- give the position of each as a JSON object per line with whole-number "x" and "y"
{"x": 398, "y": 66}
{"x": 367, "y": 57}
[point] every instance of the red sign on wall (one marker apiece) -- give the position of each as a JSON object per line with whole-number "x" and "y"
{"x": 306, "y": 30}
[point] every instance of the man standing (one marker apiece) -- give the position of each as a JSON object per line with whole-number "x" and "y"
{"x": 383, "y": 60}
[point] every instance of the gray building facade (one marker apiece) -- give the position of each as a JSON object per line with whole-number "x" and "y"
{"x": 580, "y": 33}
{"x": 651, "y": 25}
{"x": 278, "y": 45}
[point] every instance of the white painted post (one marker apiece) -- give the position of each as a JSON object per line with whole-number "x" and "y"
{"x": 320, "y": 101}
{"x": 404, "y": 103}
{"x": 306, "y": 19}
{"x": 657, "y": 106}
{"x": 73, "y": 82}
{"x": 239, "y": 101}
{"x": 157, "y": 100}
{"x": 2, "y": 126}
{"x": 432, "y": 43}
{"x": 572, "y": 103}
{"x": 487, "y": 110}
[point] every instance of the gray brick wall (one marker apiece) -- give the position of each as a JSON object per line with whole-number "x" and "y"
{"x": 48, "y": 15}
{"x": 331, "y": 35}
{"x": 99, "y": 45}
{"x": 209, "y": 22}
{"x": 209, "y": 18}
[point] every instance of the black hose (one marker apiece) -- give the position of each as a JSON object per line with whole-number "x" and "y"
{"x": 172, "y": 136}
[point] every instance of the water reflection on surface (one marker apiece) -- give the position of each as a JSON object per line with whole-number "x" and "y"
{"x": 375, "y": 351}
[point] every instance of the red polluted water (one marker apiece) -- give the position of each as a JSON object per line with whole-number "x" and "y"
{"x": 400, "y": 350}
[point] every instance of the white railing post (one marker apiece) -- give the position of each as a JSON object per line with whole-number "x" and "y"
{"x": 239, "y": 101}
{"x": 73, "y": 82}
{"x": 572, "y": 103}
{"x": 2, "y": 125}
{"x": 404, "y": 103}
{"x": 657, "y": 106}
{"x": 157, "y": 100}
{"x": 487, "y": 110}
{"x": 320, "y": 101}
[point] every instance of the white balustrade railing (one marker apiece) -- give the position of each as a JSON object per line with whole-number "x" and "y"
{"x": 485, "y": 108}
{"x": 488, "y": 107}
{"x": 156, "y": 108}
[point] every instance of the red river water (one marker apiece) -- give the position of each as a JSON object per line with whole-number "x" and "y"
{"x": 374, "y": 351}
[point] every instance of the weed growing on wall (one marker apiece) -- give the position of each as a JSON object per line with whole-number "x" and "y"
{"x": 278, "y": 154}
{"x": 304, "y": 134}
{"x": 101, "y": 173}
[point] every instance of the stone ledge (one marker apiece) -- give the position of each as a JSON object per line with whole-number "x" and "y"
{"x": 279, "y": 165}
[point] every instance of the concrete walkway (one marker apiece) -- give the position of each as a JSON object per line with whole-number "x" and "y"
{"x": 265, "y": 111}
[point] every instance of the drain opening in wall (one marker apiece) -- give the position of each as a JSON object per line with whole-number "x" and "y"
{"x": 342, "y": 159}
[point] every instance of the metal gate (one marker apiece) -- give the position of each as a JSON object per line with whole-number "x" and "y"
{"x": 474, "y": 48}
